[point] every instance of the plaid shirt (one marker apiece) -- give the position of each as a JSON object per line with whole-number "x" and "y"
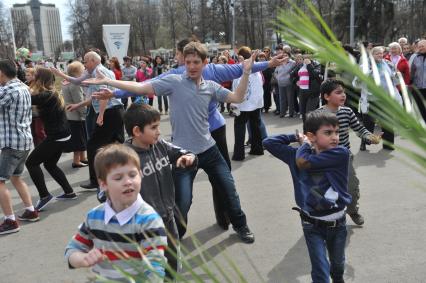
{"x": 15, "y": 116}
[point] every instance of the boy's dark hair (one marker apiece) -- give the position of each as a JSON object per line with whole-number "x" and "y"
{"x": 316, "y": 119}
{"x": 195, "y": 48}
{"x": 181, "y": 44}
{"x": 113, "y": 155}
{"x": 328, "y": 86}
{"x": 140, "y": 115}
{"x": 8, "y": 68}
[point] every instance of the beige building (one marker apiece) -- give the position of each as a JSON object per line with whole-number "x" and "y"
{"x": 37, "y": 26}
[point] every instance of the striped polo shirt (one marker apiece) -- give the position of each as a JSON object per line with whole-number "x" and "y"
{"x": 15, "y": 116}
{"x": 121, "y": 237}
{"x": 303, "y": 74}
{"x": 347, "y": 119}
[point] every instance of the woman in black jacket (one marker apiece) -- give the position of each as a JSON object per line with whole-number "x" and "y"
{"x": 52, "y": 113}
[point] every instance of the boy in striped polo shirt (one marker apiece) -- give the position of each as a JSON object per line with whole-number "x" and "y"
{"x": 123, "y": 228}
{"x": 334, "y": 97}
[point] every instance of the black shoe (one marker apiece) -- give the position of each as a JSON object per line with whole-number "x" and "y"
{"x": 357, "y": 218}
{"x": 276, "y": 112}
{"x": 235, "y": 158}
{"x": 363, "y": 147}
{"x": 85, "y": 161}
{"x": 101, "y": 196}
{"x": 256, "y": 153}
{"x": 245, "y": 234}
{"x": 223, "y": 221}
{"x": 89, "y": 186}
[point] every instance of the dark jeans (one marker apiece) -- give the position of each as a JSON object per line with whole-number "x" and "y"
{"x": 353, "y": 187}
{"x": 321, "y": 240}
{"x": 240, "y": 131}
{"x": 160, "y": 103}
{"x": 111, "y": 131}
{"x": 263, "y": 133}
{"x": 219, "y": 135}
{"x": 47, "y": 152}
{"x": 276, "y": 95}
{"x": 212, "y": 162}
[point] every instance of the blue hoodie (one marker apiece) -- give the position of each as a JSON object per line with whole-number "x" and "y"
{"x": 328, "y": 169}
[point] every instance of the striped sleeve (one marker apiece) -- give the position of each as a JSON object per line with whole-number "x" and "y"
{"x": 82, "y": 241}
{"x": 356, "y": 126}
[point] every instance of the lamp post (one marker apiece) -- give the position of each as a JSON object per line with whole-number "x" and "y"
{"x": 352, "y": 24}
{"x": 233, "y": 25}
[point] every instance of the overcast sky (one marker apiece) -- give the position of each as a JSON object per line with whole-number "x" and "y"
{"x": 60, "y": 4}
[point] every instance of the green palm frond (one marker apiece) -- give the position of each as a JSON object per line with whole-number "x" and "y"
{"x": 301, "y": 30}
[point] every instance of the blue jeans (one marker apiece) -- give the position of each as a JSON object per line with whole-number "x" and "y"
{"x": 263, "y": 133}
{"x": 320, "y": 241}
{"x": 212, "y": 162}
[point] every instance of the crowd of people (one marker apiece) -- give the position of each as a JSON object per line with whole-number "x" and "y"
{"x": 92, "y": 116}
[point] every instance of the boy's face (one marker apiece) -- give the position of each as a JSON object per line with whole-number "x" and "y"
{"x": 150, "y": 134}
{"x": 194, "y": 66}
{"x": 336, "y": 98}
{"x": 327, "y": 137}
{"x": 122, "y": 184}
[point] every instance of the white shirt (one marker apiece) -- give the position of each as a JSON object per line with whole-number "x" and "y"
{"x": 254, "y": 97}
{"x": 125, "y": 215}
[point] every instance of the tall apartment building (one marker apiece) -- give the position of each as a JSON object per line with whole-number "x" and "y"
{"x": 38, "y": 26}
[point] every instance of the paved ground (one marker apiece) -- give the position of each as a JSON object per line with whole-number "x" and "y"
{"x": 390, "y": 247}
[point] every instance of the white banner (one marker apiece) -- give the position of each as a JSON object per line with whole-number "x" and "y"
{"x": 116, "y": 40}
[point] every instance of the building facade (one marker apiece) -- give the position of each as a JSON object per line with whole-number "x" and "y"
{"x": 37, "y": 26}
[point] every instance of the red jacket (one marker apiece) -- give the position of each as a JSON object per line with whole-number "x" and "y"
{"x": 402, "y": 66}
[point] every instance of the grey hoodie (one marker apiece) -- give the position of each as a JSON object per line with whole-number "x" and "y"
{"x": 157, "y": 187}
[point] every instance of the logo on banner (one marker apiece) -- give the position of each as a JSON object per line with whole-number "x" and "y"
{"x": 118, "y": 44}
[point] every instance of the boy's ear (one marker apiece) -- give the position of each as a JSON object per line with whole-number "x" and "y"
{"x": 311, "y": 136}
{"x": 136, "y": 131}
{"x": 102, "y": 184}
{"x": 205, "y": 62}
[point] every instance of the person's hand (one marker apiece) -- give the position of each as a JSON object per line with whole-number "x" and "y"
{"x": 99, "y": 80}
{"x": 185, "y": 161}
{"x": 100, "y": 120}
{"x": 276, "y": 61}
{"x": 57, "y": 72}
{"x": 375, "y": 139}
{"x": 72, "y": 107}
{"x": 300, "y": 137}
{"x": 307, "y": 61}
{"x": 93, "y": 257}
{"x": 103, "y": 94}
{"x": 248, "y": 63}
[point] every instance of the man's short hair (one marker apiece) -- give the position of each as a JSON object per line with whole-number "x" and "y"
{"x": 181, "y": 44}
{"x": 328, "y": 86}
{"x": 140, "y": 115}
{"x": 195, "y": 48}
{"x": 127, "y": 58}
{"x": 8, "y": 68}
{"x": 316, "y": 119}
{"x": 114, "y": 155}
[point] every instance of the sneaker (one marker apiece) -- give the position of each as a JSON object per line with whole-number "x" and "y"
{"x": 29, "y": 215}
{"x": 66, "y": 196}
{"x": 357, "y": 218}
{"x": 9, "y": 226}
{"x": 41, "y": 203}
{"x": 245, "y": 234}
{"x": 101, "y": 196}
{"x": 89, "y": 186}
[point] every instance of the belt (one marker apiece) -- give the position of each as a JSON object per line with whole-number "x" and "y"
{"x": 318, "y": 222}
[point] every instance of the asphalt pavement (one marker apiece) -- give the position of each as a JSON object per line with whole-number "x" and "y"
{"x": 390, "y": 247}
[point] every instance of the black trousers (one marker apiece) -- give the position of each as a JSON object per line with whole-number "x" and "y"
{"x": 111, "y": 131}
{"x": 240, "y": 132}
{"x": 47, "y": 152}
{"x": 267, "y": 99}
